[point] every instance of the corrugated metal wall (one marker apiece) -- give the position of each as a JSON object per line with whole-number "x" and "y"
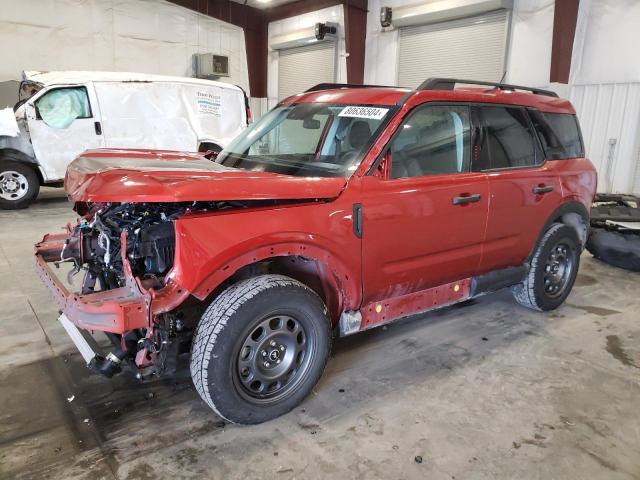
{"x": 610, "y": 118}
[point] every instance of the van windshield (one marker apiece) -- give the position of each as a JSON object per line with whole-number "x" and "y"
{"x": 312, "y": 139}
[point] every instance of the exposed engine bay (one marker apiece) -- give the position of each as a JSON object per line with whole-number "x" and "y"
{"x": 95, "y": 243}
{"x": 94, "y": 247}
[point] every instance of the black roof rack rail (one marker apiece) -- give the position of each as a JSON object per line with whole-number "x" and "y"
{"x": 331, "y": 86}
{"x": 449, "y": 84}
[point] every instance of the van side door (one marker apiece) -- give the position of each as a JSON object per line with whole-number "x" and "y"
{"x": 63, "y": 122}
{"x": 524, "y": 189}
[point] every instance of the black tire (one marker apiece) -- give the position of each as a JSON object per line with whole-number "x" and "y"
{"x": 227, "y": 351}
{"x": 553, "y": 271}
{"x": 619, "y": 249}
{"x": 19, "y": 184}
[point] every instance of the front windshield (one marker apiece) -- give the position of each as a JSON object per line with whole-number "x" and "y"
{"x": 310, "y": 139}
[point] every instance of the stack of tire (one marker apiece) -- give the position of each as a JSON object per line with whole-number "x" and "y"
{"x": 614, "y": 238}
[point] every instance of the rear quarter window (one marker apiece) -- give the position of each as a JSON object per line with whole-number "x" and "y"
{"x": 559, "y": 134}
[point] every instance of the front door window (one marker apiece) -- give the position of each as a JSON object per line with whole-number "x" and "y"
{"x": 434, "y": 140}
{"x": 60, "y": 107}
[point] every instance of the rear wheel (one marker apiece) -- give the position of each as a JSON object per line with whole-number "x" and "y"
{"x": 260, "y": 348}
{"x": 19, "y": 185}
{"x": 553, "y": 271}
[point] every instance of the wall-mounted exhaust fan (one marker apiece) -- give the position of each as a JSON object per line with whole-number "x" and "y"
{"x": 208, "y": 65}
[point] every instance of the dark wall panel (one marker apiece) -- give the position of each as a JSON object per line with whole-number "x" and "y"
{"x": 564, "y": 29}
{"x": 355, "y": 19}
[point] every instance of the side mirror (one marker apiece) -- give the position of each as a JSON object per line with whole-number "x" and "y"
{"x": 384, "y": 166}
{"x": 211, "y": 154}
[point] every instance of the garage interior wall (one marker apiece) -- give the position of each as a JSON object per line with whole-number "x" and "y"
{"x": 605, "y": 89}
{"x": 8, "y": 93}
{"x": 147, "y": 36}
{"x": 604, "y": 84}
{"x": 333, "y": 14}
{"x": 528, "y": 45}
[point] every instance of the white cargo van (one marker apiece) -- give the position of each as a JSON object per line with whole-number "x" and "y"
{"x": 62, "y": 114}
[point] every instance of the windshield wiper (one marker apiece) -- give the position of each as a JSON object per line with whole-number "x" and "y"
{"x": 309, "y": 164}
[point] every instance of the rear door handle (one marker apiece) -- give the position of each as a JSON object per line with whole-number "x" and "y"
{"x": 542, "y": 189}
{"x": 466, "y": 199}
{"x": 98, "y": 128}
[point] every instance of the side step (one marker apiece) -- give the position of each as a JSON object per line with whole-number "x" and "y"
{"x": 494, "y": 281}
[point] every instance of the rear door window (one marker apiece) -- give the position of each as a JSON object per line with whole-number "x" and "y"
{"x": 505, "y": 139}
{"x": 559, "y": 134}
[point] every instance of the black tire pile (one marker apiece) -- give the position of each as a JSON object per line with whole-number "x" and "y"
{"x": 614, "y": 244}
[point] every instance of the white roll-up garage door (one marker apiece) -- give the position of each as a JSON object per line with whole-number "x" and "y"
{"x": 470, "y": 48}
{"x": 300, "y": 68}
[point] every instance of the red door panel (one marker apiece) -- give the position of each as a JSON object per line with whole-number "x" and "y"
{"x": 415, "y": 237}
{"x": 521, "y": 201}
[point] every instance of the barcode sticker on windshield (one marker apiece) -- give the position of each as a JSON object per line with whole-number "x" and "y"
{"x": 364, "y": 112}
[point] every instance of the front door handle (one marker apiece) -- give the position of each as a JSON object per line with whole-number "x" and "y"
{"x": 463, "y": 199}
{"x": 98, "y": 128}
{"x": 542, "y": 189}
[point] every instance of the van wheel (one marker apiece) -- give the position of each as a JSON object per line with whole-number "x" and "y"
{"x": 553, "y": 271}
{"x": 259, "y": 348}
{"x": 19, "y": 185}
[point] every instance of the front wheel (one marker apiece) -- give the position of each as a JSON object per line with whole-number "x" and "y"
{"x": 553, "y": 271}
{"x": 260, "y": 348}
{"x": 19, "y": 185}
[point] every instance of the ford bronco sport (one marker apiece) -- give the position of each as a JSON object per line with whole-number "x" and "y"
{"x": 343, "y": 208}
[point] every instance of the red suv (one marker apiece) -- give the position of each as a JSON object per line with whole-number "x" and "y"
{"x": 343, "y": 208}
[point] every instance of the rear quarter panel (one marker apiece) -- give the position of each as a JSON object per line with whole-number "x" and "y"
{"x": 578, "y": 180}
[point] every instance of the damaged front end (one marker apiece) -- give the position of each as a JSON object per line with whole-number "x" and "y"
{"x": 124, "y": 253}
{"x": 122, "y": 249}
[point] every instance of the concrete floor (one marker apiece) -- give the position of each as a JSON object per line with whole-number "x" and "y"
{"x": 483, "y": 390}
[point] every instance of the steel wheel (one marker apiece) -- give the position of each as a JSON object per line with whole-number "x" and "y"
{"x": 13, "y": 185}
{"x": 259, "y": 348}
{"x": 558, "y": 270}
{"x": 272, "y": 358}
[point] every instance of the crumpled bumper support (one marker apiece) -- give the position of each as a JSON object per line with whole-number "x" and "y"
{"x": 118, "y": 310}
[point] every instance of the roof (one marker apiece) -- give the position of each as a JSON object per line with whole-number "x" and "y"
{"x": 393, "y": 96}
{"x": 76, "y": 77}
{"x": 367, "y": 96}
